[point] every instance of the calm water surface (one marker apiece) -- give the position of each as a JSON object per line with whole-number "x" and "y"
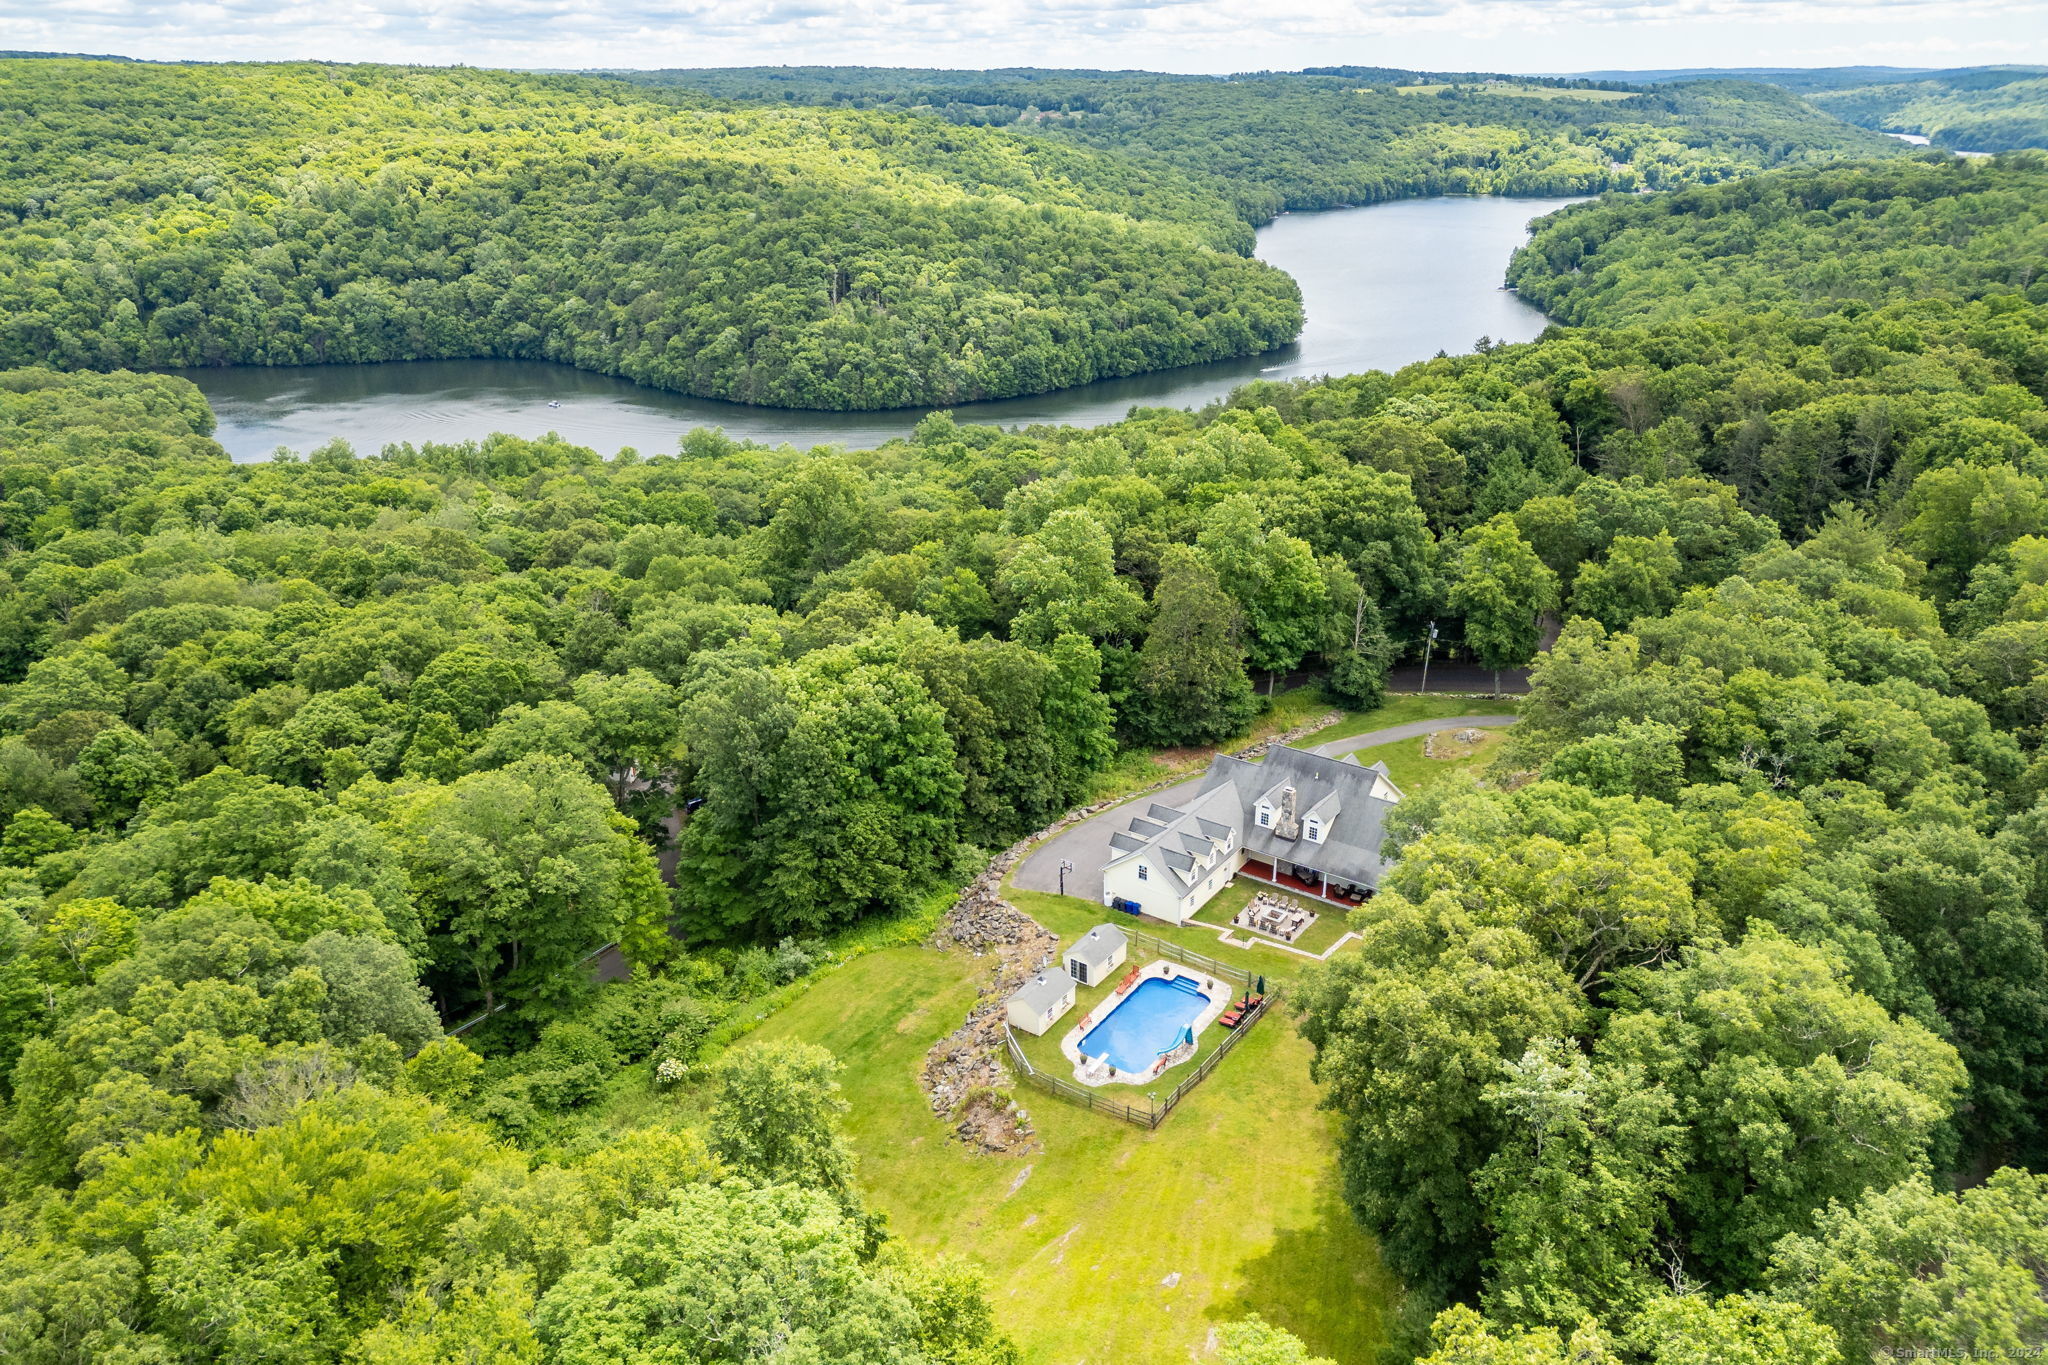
{"x": 1384, "y": 286}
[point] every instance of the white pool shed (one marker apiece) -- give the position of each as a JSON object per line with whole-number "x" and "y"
{"x": 1038, "y": 1004}
{"x": 1099, "y": 952}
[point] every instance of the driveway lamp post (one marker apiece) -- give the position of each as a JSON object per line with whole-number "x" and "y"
{"x": 1065, "y": 868}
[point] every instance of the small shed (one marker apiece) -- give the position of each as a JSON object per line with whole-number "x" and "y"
{"x": 1039, "y": 1003}
{"x": 1100, "y": 951}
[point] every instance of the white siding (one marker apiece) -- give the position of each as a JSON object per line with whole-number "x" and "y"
{"x": 1156, "y": 895}
{"x": 1022, "y": 1018}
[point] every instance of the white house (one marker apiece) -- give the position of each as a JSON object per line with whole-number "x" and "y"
{"x": 1306, "y": 822}
{"x": 1099, "y": 952}
{"x": 1038, "y": 1003}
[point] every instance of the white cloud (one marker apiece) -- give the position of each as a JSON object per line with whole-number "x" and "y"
{"x": 1184, "y": 35}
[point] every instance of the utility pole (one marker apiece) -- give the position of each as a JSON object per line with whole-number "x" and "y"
{"x": 1426, "y": 646}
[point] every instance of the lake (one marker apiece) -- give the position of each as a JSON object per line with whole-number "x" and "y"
{"x": 1383, "y": 285}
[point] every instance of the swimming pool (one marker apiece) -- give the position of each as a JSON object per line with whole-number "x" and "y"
{"x": 1147, "y": 1022}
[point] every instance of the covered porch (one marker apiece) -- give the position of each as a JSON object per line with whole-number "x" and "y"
{"x": 1302, "y": 881}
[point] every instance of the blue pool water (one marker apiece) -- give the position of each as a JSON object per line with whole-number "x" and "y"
{"x": 1148, "y": 1022}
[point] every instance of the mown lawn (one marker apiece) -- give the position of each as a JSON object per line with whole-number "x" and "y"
{"x": 1330, "y": 922}
{"x": 1071, "y": 916}
{"x": 1413, "y": 771}
{"x": 1114, "y": 1243}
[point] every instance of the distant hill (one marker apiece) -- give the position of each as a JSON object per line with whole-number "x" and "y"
{"x": 1807, "y": 241}
{"x": 80, "y": 56}
{"x": 298, "y": 213}
{"x": 1341, "y": 135}
{"x": 1801, "y": 78}
{"x": 1970, "y": 108}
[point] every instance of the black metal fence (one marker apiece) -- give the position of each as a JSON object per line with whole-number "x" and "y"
{"x": 1153, "y": 1112}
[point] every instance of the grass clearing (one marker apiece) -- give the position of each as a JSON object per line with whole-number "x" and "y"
{"x": 1413, "y": 770}
{"x": 1236, "y": 1194}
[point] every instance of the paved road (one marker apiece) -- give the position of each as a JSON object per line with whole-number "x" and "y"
{"x": 1468, "y": 679}
{"x": 1086, "y": 845}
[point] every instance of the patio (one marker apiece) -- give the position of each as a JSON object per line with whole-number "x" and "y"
{"x": 1275, "y": 916}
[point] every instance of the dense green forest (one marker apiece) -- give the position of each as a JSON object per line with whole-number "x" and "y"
{"x": 1345, "y": 135}
{"x": 208, "y": 215}
{"x": 307, "y": 760}
{"x": 1981, "y": 109}
{"x": 398, "y": 848}
{"x": 1933, "y": 227}
{"x": 1973, "y": 108}
{"x": 675, "y": 232}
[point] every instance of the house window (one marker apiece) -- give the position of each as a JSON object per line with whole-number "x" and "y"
{"x": 1266, "y": 817}
{"x": 1144, "y": 873}
{"x": 1315, "y": 831}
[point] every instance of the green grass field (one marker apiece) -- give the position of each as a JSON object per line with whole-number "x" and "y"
{"x": 1330, "y": 924}
{"x": 1234, "y": 1199}
{"x": 1413, "y": 771}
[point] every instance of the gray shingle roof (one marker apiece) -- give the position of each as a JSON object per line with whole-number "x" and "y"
{"x": 1161, "y": 827}
{"x": 1042, "y": 993}
{"x": 1341, "y": 793}
{"x": 1098, "y": 946}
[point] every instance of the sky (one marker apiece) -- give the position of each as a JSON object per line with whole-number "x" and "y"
{"x": 1159, "y": 35}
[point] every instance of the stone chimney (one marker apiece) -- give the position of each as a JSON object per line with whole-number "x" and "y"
{"x": 1287, "y": 824}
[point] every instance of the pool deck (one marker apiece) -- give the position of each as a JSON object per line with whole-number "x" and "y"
{"x": 1086, "y": 1072}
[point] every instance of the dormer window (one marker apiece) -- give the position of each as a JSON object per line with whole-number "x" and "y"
{"x": 1315, "y": 831}
{"x": 1265, "y": 817}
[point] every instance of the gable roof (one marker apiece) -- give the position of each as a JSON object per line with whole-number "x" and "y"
{"x": 1349, "y": 802}
{"x": 1350, "y": 799}
{"x": 1042, "y": 993}
{"x": 1097, "y": 946}
{"x": 1176, "y": 839}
